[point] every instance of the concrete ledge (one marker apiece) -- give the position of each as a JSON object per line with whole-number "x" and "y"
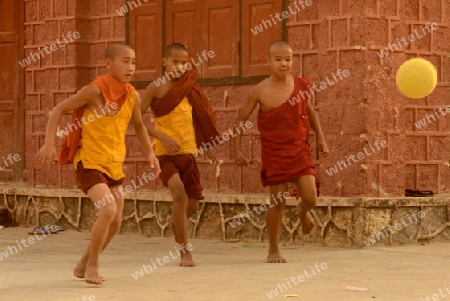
{"x": 339, "y": 221}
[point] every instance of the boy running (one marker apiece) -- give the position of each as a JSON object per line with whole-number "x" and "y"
{"x": 184, "y": 120}
{"x": 285, "y": 149}
{"x": 105, "y": 107}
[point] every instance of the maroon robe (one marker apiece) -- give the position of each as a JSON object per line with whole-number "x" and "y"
{"x": 285, "y": 152}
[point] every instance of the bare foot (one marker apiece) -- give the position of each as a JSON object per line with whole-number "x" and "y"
{"x": 80, "y": 270}
{"x": 275, "y": 257}
{"x": 306, "y": 220}
{"x": 186, "y": 260}
{"x": 91, "y": 275}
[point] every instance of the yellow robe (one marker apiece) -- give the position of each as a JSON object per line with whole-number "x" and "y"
{"x": 178, "y": 125}
{"x": 103, "y": 140}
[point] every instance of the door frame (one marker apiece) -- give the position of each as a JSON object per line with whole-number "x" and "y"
{"x": 19, "y": 173}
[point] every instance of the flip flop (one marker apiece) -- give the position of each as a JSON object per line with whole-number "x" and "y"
{"x": 61, "y": 227}
{"x": 52, "y": 228}
{"x": 39, "y": 230}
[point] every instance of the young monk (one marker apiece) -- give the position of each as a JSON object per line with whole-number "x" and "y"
{"x": 104, "y": 109}
{"x": 184, "y": 120}
{"x": 285, "y": 149}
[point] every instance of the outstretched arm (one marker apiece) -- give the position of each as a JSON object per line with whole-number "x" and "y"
{"x": 47, "y": 153}
{"x": 315, "y": 125}
{"x": 244, "y": 112}
{"x": 142, "y": 135}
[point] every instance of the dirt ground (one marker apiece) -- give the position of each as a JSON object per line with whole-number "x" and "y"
{"x": 225, "y": 271}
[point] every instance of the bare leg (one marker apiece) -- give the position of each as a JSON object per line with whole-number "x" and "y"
{"x": 114, "y": 227}
{"x": 307, "y": 191}
{"x": 107, "y": 213}
{"x": 179, "y": 218}
{"x": 191, "y": 209}
{"x": 273, "y": 219}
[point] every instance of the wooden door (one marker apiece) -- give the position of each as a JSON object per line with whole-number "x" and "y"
{"x": 259, "y": 29}
{"x": 11, "y": 100}
{"x": 146, "y": 36}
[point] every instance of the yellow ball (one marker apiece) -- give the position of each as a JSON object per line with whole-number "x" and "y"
{"x": 416, "y": 78}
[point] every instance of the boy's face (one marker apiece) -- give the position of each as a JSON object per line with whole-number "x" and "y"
{"x": 123, "y": 65}
{"x": 176, "y": 62}
{"x": 281, "y": 61}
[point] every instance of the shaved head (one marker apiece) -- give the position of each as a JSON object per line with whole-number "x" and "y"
{"x": 279, "y": 45}
{"x": 112, "y": 50}
{"x": 174, "y": 46}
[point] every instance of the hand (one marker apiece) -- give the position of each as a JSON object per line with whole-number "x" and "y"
{"x": 239, "y": 158}
{"x": 46, "y": 155}
{"x": 212, "y": 156}
{"x": 171, "y": 145}
{"x": 322, "y": 145}
{"x": 154, "y": 163}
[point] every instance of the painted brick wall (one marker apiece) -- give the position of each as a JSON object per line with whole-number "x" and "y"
{"x": 366, "y": 106}
{"x": 329, "y": 36}
{"x": 60, "y": 74}
{"x": 415, "y": 158}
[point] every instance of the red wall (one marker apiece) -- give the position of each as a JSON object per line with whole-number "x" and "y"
{"x": 328, "y": 36}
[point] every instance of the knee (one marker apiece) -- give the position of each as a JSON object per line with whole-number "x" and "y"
{"x": 309, "y": 202}
{"x": 179, "y": 194}
{"x": 108, "y": 212}
{"x": 115, "y": 225}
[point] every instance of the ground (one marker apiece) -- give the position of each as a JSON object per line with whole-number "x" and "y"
{"x": 225, "y": 271}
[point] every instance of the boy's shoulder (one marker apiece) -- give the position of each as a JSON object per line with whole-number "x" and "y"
{"x": 260, "y": 86}
{"x": 158, "y": 90}
{"x": 90, "y": 91}
{"x": 93, "y": 88}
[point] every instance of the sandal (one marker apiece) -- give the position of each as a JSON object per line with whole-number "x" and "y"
{"x": 39, "y": 230}
{"x": 60, "y": 227}
{"x": 52, "y": 228}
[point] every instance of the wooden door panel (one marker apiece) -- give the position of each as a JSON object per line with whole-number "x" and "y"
{"x": 9, "y": 87}
{"x": 221, "y": 35}
{"x": 183, "y": 24}
{"x": 255, "y": 47}
{"x": 146, "y": 39}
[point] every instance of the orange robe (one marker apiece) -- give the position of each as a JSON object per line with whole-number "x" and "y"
{"x": 285, "y": 152}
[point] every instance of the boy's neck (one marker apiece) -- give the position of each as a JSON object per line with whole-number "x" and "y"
{"x": 113, "y": 76}
{"x": 278, "y": 79}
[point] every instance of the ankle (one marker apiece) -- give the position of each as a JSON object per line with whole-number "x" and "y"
{"x": 274, "y": 250}
{"x": 91, "y": 264}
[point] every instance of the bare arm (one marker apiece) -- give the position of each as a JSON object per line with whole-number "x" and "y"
{"x": 314, "y": 120}
{"x": 87, "y": 95}
{"x": 142, "y": 135}
{"x": 170, "y": 144}
{"x": 315, "y": 125}
{"x": 244, "y": 112}
{"x": 147, "y": 99}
